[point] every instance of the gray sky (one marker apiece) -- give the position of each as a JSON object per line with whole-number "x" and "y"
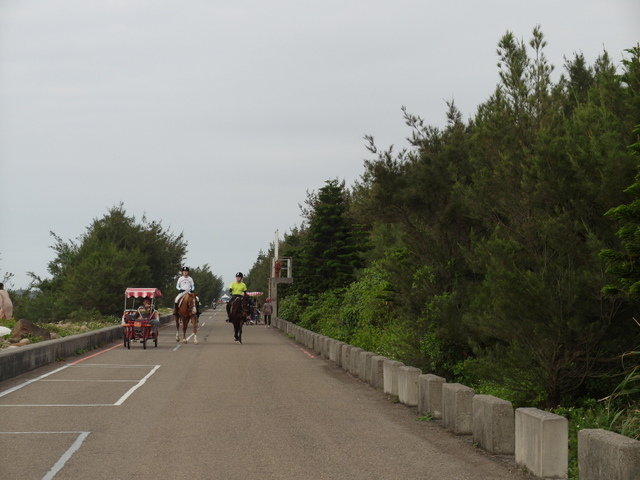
{"x": 217, "y": 116}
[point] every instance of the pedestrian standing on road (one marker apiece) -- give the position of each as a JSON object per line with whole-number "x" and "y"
{"x": 267, "y": 310}
{"x": 6, "y": 307}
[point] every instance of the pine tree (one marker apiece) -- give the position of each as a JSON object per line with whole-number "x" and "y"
{"x": 332, "y": 246}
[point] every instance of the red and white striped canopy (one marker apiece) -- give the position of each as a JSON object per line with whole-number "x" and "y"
{"x": 142, "y": 292}
{"x": 254, "y": 294}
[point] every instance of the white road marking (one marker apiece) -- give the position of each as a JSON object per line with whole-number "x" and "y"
{"x": 65, "y": 456}
{"x": 28, "y": 382}
{"x": 138, "y": 384}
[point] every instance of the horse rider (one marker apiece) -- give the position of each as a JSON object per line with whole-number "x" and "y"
{"x": 185, "y": 284}
{"x": 236, "y": 289}
{"x": 147, "y": 312}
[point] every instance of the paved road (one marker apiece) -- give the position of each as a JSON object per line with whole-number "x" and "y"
{"x": 267, "y": 409}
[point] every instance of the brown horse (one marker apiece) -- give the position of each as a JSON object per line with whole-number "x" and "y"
{"x": 238, "y": 312}
{"x": 187, "y": 312}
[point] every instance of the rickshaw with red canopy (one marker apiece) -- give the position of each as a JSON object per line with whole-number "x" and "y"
{"x": 136, "y": 326}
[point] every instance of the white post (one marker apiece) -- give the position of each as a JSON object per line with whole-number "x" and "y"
{"x": 273, "y": 291}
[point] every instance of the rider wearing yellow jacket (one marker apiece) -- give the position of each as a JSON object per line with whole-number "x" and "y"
{"x": 236, "y": 289}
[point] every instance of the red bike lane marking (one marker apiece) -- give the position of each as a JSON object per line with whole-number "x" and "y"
{"x": 95, "y": 354}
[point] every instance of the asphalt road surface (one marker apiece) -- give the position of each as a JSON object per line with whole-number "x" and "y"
{"x": 267, "y": 409}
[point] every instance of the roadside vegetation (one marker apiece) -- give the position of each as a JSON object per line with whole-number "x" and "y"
{"x": 501, "y": 252}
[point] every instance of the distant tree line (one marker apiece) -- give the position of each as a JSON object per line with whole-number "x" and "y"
{"x": 89, "y": 276}
{"x": 484, "y": 251}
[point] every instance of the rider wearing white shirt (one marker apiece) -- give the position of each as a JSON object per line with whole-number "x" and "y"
{"x": 185, "y": 284}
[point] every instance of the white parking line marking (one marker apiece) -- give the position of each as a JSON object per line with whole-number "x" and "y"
{"x": 138, "y": 384}
{"x": 62, "y": 405}
{"x": 65, "y": 456}
{"x": 29, "y": 382}
{"x": 134, "y": 388}
{"x": 95, "y": 381}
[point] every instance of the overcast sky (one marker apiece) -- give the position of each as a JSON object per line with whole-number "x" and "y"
{"x": 216, "y": 117}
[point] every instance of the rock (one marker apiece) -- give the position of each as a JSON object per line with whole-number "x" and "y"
{"x": 4, "y": 331}
{"x": 23, "y": 342}
{"x": 25, "y": 327}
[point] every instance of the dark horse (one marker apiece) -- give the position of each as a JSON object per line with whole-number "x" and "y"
{"x": 238, "y": 312}
{"x": 187, "y": 310}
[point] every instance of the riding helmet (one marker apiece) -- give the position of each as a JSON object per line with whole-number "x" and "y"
{"x": 239, "y": 274}
{"x": 185, "y": 269}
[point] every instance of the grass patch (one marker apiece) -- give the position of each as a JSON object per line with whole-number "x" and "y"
{"x": 63, "y": 329}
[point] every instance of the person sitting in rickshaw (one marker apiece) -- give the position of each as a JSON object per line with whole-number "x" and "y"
{"x": 147, "y": 312}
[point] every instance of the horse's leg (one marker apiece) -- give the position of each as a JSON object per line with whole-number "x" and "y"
{"x": 185, "y": 325}
{"x": 240, "y": 334}
{"x": 195, "y": 329}
{"x": 235, "y": 330}
{"x": 177, "y": 317}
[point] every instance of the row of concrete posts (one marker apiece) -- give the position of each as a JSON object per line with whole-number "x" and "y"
{"x": 538, "y": 439}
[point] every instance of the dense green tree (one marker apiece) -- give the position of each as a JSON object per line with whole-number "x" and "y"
{"x": 624, "y": 264}
{"x": 163, "y": 252}
{"x": 333, "y": 244}
{"x": 413, "y": 206}
{"x": 114, "y": 253}
{"x": 538, "y": 318}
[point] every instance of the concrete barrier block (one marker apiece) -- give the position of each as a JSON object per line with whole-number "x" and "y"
{"x": 408, "y": 385}
{"x": 325, "y": 347}
{"x": 422, "y": 395}
{"x": 604, "y": 454}
{"x": 330, "y": 342}
{"x": 457, "y": 408}
{"x": 335, "y": 352}
{"x": 390, "y": 376}
{"x": 494, "y": 424}
{"x": 346, "y": 356}
{"x": 354, "y": 360}
{"x": 430, "y": 395}
{"x": 364, "y": 367}
{"x": 322, "y": 345}
{"x": 542, "y": 442}
{"x": 377, "y": 371}
{"x": 314, "y": 342}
